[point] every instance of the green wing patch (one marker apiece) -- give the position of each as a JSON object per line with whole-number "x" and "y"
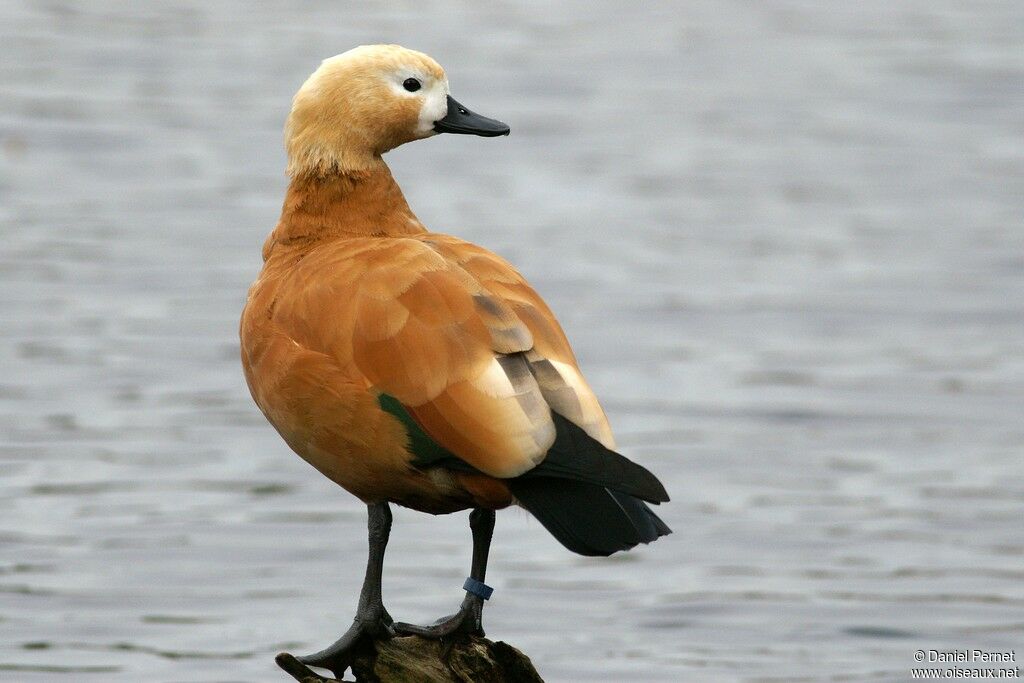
{"x": 425, "y": 450}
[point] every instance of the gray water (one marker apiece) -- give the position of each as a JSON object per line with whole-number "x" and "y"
{"x": 784, "y": 237}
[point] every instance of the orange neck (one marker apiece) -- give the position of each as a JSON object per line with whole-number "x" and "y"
{"x": 346, "y": 204}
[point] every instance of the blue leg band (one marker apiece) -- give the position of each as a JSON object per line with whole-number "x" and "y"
{"x": 477, "y": 588}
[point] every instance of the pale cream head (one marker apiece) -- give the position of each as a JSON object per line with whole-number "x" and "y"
{"x": 358, "y": 105}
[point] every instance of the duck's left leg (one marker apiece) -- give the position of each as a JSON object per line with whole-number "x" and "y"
{"x": 372, "y": 620}
{"x": 469, "y": 618}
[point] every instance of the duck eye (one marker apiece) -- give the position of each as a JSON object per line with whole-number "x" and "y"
{"x": 411, "y": 84}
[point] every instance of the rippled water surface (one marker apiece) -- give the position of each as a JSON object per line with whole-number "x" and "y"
{"x": 785, "y": 238}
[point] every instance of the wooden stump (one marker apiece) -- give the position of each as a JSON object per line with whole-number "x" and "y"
{"x": 412, "y": 659}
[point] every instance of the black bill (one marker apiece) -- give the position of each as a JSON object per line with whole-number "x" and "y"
{"x": 463, "y": 121}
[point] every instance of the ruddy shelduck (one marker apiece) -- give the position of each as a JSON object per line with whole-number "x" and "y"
{"x": 413, "y": 367}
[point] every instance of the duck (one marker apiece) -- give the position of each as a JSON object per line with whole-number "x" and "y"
{"x": 415, "y": 368}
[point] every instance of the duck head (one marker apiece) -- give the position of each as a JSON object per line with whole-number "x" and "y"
{"x": 369, "y": 100}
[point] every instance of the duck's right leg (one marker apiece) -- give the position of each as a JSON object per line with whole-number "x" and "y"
{"x": 469, "y": 618}
{"x": 371, "y": 621}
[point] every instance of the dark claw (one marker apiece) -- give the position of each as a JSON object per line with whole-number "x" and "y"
{"x": 468, "y": 620}
{"x": 298, "y": 670}
{"x": 375, "y": 625}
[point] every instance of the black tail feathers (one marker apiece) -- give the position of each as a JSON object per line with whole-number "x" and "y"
{"x": 586, "y": 518}
{"x": 589, "y": 497}
{"x": 577, "y": 455}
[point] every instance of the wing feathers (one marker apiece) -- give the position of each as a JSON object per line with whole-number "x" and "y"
{"x": 508, "y": 333}
{"x": 494, "y": 435}
{"x": 442, "y": 326}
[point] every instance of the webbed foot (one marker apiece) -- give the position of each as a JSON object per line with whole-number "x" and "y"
{"x": 468, "y": 620}
{"x": 374, "y": 624}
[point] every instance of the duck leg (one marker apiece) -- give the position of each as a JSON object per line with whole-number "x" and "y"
{"x": 371, "y": 620}
{"x": 469, "y": 618}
